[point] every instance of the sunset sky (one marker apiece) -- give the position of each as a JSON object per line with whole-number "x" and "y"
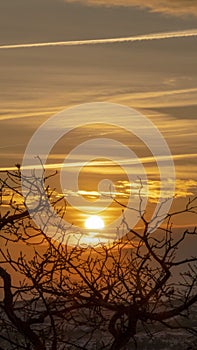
{"x": 153, "y": 72}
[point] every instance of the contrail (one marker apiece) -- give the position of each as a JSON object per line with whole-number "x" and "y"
{"x": 144, "y": 37}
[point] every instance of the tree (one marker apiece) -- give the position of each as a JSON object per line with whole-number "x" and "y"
{"x": 97, "y": 297}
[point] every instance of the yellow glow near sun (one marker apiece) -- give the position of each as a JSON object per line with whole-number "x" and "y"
{"x": 94, "y": 222}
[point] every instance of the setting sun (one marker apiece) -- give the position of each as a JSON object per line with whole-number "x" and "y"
{"x": 94, "y": 222}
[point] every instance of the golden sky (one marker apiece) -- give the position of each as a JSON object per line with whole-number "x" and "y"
{"x": 156, "y": 74}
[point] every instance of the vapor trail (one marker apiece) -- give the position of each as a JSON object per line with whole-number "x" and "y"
{"x": 144, "y": 37}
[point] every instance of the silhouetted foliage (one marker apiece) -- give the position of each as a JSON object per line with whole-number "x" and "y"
{"x": 100, "y": 297}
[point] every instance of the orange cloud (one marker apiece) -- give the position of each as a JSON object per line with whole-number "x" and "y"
{"x": 176, "y": 7}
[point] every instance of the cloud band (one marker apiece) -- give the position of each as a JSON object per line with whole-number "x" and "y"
{"x": 172, "y": 7}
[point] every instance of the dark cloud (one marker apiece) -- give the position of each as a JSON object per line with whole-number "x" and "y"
{"x": 179, "y": 112}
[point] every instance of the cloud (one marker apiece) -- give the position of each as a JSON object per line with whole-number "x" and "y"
{"x": 104, "y": 163}
{"x": 184, "y": 188}
{"x": 144, "y": 37}
{"x": 172, "y": 7}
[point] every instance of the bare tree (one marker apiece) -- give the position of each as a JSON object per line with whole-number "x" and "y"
{"x": 91, "y": 297}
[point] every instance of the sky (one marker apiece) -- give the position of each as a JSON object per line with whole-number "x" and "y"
{"x": 57, "y": 54}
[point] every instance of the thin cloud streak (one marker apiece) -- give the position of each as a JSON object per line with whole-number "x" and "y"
{"x": 147, "y": 99}
{"x": 104, "y": 162}
{"x": 145, "y": 37}
{"x": 170, "y": 7}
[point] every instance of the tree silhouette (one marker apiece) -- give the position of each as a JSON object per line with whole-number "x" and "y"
{"x": 55, "y": 296}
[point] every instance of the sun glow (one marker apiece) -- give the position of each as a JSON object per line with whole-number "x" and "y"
{"x": 94, "y": 223}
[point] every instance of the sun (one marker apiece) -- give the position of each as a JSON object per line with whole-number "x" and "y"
{"x": 94, "y": 222}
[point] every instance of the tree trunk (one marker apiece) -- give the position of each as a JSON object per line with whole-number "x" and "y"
{"x": 122, "y": 337}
